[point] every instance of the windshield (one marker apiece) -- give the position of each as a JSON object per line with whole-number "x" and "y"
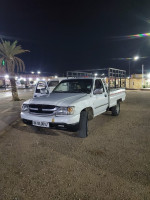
{"x": 74, "y": 86}
{"x": 53, "y": 83}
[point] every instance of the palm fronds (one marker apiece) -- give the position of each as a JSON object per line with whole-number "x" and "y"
{"x": 8, "y": 52}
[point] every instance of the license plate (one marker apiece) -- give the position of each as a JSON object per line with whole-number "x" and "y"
{"x": 41, "y": 124}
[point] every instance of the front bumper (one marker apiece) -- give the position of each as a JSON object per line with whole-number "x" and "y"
{"x": 71, "y": 127}
{"x": 66, "y": 122}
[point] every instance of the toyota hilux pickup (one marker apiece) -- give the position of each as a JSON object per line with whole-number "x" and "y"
{"x": 72, "y": 103}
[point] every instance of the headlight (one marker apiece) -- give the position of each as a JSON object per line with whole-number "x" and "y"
{"x": 65, "y": 110}
{"x": 25, "y": 108}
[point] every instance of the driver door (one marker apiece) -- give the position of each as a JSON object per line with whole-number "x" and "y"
{"x": 100, "y": 100}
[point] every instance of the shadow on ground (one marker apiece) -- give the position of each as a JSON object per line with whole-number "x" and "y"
{"x": 19, "y": 125}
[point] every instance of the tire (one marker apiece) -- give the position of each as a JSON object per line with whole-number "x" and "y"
{"x": 83, "y": 125}
{"x": 116, "y": 109}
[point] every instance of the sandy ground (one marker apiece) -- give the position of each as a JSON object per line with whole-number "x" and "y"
{"x": 112, "y": 163}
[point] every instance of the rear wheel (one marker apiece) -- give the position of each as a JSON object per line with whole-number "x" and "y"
{"x": 116, "y": 109}
{"x": 83, "y": 125}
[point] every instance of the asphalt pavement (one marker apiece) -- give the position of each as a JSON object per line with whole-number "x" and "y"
{"x": 10, "y": 110}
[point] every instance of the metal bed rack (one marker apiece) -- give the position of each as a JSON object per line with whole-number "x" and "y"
{"x": 115, "y": 78}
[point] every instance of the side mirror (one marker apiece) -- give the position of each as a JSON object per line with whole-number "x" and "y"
{"x": 98, "y": 91}
{"x": 44, "y": 91}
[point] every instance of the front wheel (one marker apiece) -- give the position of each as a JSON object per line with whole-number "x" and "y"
{"x": 83, "y": 125}
{"x": 116, "y": 109}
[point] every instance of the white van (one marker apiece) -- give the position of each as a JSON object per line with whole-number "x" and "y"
{"x": 49, "y": 85}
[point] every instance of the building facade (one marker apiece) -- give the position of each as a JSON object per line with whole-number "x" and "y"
{"x": 137, "y": 81}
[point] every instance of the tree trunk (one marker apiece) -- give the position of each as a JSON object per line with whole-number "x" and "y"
{"x": 14, "y": 91}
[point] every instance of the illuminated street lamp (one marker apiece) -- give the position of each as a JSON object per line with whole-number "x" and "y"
{"x": 148, "y": 76}
{"x": 56, "y": 76}
{"x": 135, "y": 58}
{"x": 38, "y": 72}
{"x": 6, "y": 76}
{"x": 32, "y": 72}
{"x": 95, "y": 74}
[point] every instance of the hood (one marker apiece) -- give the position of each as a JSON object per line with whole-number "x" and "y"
{"x": 59, "y": 99}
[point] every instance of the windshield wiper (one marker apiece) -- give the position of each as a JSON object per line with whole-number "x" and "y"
{"x": 58, "y": 91}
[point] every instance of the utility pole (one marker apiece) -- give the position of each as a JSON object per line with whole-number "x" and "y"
{"x": 142, "y": 75}
{"x": 129, "y": 68}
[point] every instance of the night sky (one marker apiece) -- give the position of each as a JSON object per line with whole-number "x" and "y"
{"x": 69, "y": 35}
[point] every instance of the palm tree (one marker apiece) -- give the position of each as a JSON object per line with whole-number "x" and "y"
{"x": 8, "y": 52}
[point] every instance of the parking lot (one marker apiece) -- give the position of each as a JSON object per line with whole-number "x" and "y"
{"x": 112, "y": 163}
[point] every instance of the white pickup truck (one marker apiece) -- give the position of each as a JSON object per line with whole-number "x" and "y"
{"x": 72, "y": 103}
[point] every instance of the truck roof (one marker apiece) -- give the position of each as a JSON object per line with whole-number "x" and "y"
{"x": 83, "y": 78}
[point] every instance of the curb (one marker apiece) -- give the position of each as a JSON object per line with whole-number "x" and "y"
{"x": 5, "y": 91}
{"x": 145, "y": 89}
{"x": 138, "y": 89}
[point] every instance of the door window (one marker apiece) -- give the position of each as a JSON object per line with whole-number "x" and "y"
{"x": 98, "y": 85}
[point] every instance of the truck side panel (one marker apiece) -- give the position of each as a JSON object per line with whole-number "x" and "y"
{"x": 116, "y": 95}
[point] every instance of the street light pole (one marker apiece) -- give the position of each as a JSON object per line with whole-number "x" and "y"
{"x": 135, "y": 58}
{"x": 129, "y": 68}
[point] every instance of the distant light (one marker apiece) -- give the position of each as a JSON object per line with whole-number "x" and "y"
{"x": 136, "y": 58}
{"x": 16, "y": 77}
{"x": 38, "y": 72}
{"x": 56, "y": 76}
{"x": 138, "y": 35}
{"x": 49, "y": 79}
{"x": 24, "y": 79}
{"x": 95, "y": 74}
{"x": 30, "y": 79}
{"x": 43, "y": 79}
{"x": 148, "y": 75}
{"x": 32, "y": 72}
{"x": 103, "y": 74}
{"x": 6, "y": 76}
{"x": 37, "y": 79}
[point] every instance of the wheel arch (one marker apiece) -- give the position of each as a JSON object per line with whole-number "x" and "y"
{"x": 90, "y": 112}
{"x": 119, "y": 100}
